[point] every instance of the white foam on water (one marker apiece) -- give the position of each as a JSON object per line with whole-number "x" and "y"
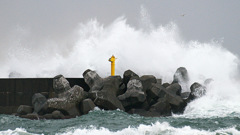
{"x": 17, "y": 131}
{"x": 154, "y": 129}
{"x": 159, "y": 51}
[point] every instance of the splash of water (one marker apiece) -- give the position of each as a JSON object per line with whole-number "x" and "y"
{"x": 158, "y": 51}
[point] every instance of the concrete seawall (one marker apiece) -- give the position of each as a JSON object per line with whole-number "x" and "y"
{"x": 19, "y": 91}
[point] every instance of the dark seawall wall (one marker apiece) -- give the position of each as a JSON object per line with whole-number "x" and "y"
{"x": 19, "y": 91}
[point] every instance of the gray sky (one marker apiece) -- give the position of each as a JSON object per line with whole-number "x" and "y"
{"x": 203, "y": 21}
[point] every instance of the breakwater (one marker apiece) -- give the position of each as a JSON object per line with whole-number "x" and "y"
{"x": 19, "y": 91}
{"x": 63, "y": 98}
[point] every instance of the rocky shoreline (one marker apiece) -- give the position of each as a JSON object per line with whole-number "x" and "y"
{"x": 145, "y": 95}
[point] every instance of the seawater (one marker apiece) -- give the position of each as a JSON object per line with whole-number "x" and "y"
{"x": 157, "y": 50}
{"x": 120, "y": 123}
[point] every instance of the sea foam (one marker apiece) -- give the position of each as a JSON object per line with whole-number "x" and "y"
{"x": 154, "y": 129}
{"x": 17, "y": 131}
{"x": 157, "y": 128}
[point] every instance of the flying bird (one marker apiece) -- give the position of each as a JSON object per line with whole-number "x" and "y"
{"x": 182, "y": 15}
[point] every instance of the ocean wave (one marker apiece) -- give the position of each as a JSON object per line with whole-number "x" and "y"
{"x": 17, "y": 131}
{"x": 158, "y": 128}
{"x": 211, "y": 107}
{"x": 154, "y": 129}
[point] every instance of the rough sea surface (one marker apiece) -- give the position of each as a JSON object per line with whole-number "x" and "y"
{"x": 99, "y": 122}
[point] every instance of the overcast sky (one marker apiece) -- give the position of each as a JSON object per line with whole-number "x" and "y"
{"x": 204, "y": 20}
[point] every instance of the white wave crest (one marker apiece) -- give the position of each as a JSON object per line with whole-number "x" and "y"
{"x": 17, "y": 131}
{"x": 154, "y": 129}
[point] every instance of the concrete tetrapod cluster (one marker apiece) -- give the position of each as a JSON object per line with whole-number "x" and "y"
{"x": 144, "y": 95}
